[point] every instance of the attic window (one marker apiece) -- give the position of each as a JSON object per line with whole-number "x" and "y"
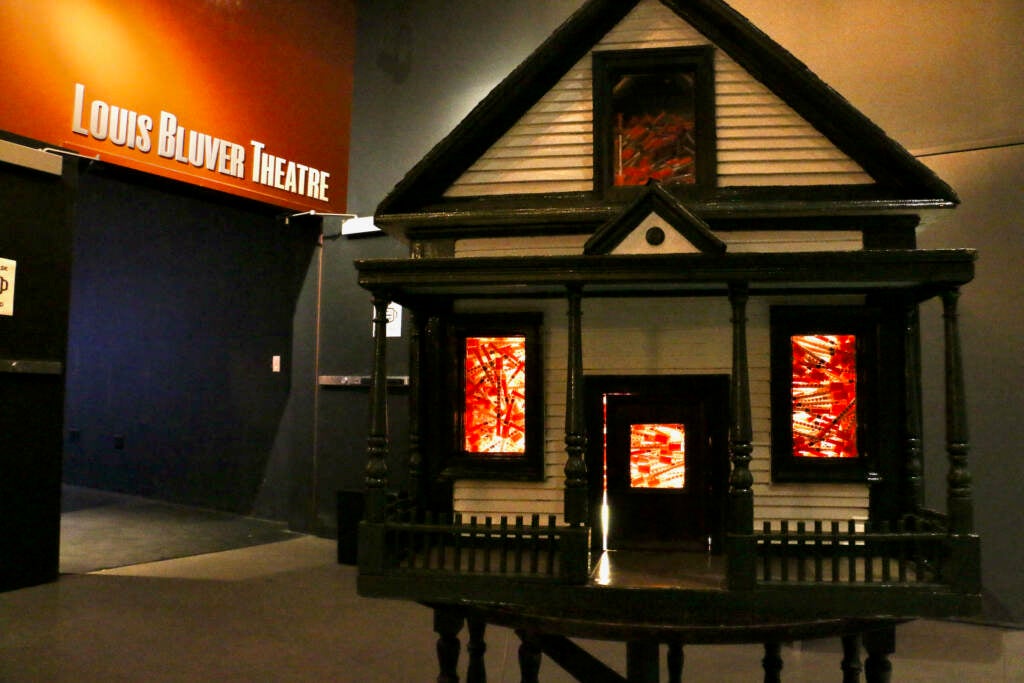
{"x": 654, "y": 119}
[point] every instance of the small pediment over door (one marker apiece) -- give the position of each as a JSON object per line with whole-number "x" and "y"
{"x": 654, "y": 223}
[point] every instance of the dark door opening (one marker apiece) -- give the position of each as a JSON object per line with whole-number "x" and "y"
{"x": 658, "y": 461}
{"x": 35, "y": 266}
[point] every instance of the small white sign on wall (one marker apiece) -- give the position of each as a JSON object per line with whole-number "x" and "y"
{"x": 7, "y": 267}
{"x": 394, "y": 316}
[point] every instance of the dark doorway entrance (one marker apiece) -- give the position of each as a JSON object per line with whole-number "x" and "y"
{"x": 35, "y": 267}
{"x": 658, "y": 475}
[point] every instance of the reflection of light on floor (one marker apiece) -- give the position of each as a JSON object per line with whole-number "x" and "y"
{"x": 604, "y": 571}
{"x": 605, "y": 512}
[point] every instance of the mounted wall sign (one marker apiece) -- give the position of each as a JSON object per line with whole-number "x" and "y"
{"x": 247, "y": 98}
{"x": 7, "y": 268}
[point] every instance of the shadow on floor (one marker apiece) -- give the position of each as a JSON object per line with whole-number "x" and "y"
{"x": 287, "y": 612}
{"x": 102, "y": 530}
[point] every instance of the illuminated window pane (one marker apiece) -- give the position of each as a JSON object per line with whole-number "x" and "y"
{"x": 654, "y": 128}
{"x": 657, "y": 456}
{"x": 494, "y": 416}
{"x": 824, "y": 396}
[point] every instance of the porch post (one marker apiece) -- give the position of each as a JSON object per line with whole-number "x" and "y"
{"x": 741, "y": 481}
{"x": 913, "y": 497}
{"x": 740, "y": 548}
{"x": 576, "y": 496}
{"x": 415, "y": 458}
{"x": 959, "y": 505}
{"x": 378, "y": 445}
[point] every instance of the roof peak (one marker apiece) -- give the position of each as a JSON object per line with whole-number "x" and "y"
{"x": 899, "y": 177}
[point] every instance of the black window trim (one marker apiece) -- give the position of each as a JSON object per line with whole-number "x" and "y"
{"x": 528, "y": 466}
{"x": 787, "y": 321}
{"x": 609, "y": 65}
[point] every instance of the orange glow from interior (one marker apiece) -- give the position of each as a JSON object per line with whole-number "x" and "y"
{"x": 494, "y": 413}
{"x": 657, "y": 456}
{"x": 825, "y": 396}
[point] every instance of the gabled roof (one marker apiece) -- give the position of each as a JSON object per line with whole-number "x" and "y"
{"x": 655, "y": 199}
{"x": 904, "y": 184}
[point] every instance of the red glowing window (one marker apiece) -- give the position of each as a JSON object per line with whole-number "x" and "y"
{"x": 496, "y": 399}
{"x": 494, "y": 412}
{"x": 657, "y": 456}
{"x": 824, "y": 395}
{"x": 654, "y": 142}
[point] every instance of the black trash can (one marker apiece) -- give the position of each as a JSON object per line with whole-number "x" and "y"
{"x": 351, "y": 504}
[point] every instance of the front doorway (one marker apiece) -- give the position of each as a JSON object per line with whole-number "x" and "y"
{"x": 657, "y": 459}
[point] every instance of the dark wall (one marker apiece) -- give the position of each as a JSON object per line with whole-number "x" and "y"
{"x": 421, "y": 67}
{"x": 991, "y": 327}
{"x": 35, "y": 233}
{"x": 180, "y": 299}
{"x": 346, "y": 349}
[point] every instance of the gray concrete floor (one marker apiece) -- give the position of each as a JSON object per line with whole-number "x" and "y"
{"x": 286, "y": 611}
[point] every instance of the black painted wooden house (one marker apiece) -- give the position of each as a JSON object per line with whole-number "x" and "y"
{"x": 665, "y": 384}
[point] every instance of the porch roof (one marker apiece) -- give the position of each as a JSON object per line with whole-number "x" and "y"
{"x": 920, "y": 273}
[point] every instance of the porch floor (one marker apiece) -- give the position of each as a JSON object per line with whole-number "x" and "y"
{"x": 659, "y": 569}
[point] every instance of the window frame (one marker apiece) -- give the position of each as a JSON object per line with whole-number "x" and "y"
{"x": 609, "y": 66}
{"x": 463, "y": 464}
{"x": 788, "y": 321}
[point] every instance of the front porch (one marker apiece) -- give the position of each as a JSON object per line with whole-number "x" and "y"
{"x": 648, "y": 600}
{"x": 541, "y": 575}
{"x": 798, "y": 573}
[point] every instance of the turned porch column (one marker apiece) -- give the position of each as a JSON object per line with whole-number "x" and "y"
{"x": 740, "y": 519}
{"x": 741, "y": 481}
{"x": 959, "y": 505}
{"x": 378, "y": 445}
{"x": 576, "y": 495}
{"x": 913, "y": 496}
{"x": 415, "y": 458}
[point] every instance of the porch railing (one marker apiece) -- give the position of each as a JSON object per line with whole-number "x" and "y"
{"x": 436, "y": 545}
{"x": 914, "y": 551}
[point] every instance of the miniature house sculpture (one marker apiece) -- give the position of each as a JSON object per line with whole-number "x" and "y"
{"x": 664, "y": 289}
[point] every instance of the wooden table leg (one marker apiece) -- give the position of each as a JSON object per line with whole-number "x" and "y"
{"x": 851, "y": 658}
{"x": 476, "y": 647}
{"x": 642, "y": 664}
{"x": 772, "y": 662}
{"x": 529, "y": 656}
{"x": 676, "y": 657}
{"x": 447, "y": 624}
{"x": 879, "y": 644}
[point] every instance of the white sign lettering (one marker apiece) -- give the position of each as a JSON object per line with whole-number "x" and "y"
{"x": 123, "y": 127}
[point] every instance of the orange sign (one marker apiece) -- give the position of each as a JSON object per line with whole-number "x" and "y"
{"x": 251, "y": 98}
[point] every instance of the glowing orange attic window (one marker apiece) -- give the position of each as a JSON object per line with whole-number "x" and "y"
{"x": 494, "y": 413}
{"x": 657, "y": 456}
{"x": 824, "y": 391}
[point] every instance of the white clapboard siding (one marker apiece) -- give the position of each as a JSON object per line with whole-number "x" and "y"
{"x": 665, "y": 337}
{"x": 791, "y": 240}
{"x": 776, "y": 502}
{"x": 558, "y": 245}
{"x": 501, "y": 498}
{"x": 736, "y": 242}
{"x": 761, "y": 140}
